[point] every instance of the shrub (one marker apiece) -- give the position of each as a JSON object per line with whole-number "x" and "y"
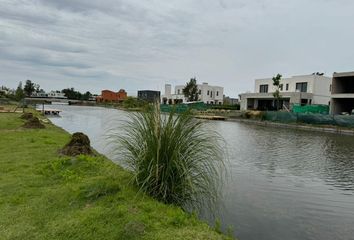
{"x": 174, "y": 158}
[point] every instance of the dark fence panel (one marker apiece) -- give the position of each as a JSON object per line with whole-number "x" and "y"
{"x": 310, "y": 118}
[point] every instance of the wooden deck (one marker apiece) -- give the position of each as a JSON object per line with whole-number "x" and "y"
{"x": 209, "y": 117}
{"x": 47, "y": 111}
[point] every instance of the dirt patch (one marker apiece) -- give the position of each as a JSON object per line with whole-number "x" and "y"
{"x": 27, "y": 116}
{"x": 79, "y": 144}
{"x": 33, "y": 123}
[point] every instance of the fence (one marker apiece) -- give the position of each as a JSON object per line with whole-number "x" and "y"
{"x": 310, "y": 118}
{"x": 179, "y": 108}
{"x": 322, "y": 109}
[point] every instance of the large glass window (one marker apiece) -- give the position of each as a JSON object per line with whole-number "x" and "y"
{"x": 302, "y": 86}
{"x": 263, "y": 88}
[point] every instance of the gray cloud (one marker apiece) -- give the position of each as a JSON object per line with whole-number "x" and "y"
{"x": 134, "y": 44}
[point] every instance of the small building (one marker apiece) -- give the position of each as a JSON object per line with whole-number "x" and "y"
{"x": 301, "y": 89}
{"x": 39, "y": 95}
{"x": 110, "y": 96}
{"x": 56, "y": 94}
{"x": 207, "y": 94}
{"x": 231, "y": 101}
{"x": 4, "y": 90}
{"x": 342, "y": 97}
{"x": 149, "y": 96}
{"x": 169, "y": 98}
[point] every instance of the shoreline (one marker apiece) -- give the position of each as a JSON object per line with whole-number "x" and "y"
{"x": 66, "y": 192}
{"x": 325, "y": 129}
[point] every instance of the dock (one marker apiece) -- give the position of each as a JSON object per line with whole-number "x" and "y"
{"x": 209, "y": 117}
{"x": 47, "y": 111}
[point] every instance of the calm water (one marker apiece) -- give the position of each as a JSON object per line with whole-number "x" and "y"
{"x": 285, "y": 184}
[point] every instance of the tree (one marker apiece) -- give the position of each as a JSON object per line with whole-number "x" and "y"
{"x": 70, "y": 93}
{"x": 37, "y": 88}
{"x": 86, "y": 96}
{"x": 19, "y": 94}
{"x": 190, "y": 91}
{"x": 278, "y": 85}
{"x": 29, "y": 88}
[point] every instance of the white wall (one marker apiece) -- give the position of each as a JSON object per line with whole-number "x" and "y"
{"x": 216, "y": 93}
{"x": 318, "y": 85}
{"x": 322, "y": 93}
{"x": 168, "y": 89}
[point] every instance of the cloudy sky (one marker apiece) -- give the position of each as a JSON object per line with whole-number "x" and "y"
{"x": 143, "y": 44}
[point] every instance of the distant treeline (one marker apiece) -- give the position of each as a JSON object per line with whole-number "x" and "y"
{"x": 32, "y": 88}
{"x": 70, "y": 93}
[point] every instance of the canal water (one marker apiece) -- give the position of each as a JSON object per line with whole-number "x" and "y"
{"x": 284, "y": 184}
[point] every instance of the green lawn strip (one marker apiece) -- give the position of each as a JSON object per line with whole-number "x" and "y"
{"x": 47, "y": 196}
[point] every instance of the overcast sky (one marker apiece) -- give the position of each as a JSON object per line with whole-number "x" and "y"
{"x": 131, "y": 44}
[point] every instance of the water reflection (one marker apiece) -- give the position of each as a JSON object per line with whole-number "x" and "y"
{"x": 285, "y": 184}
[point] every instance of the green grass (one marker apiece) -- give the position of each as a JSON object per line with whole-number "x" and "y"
{"x": 45, "y": 196}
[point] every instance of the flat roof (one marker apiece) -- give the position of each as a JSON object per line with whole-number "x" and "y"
{"x": 343, "y": 74}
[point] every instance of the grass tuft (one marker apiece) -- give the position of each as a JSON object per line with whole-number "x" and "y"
{"x": 176, "y": 159}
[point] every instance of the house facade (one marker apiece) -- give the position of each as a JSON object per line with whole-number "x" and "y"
{"x": 149, "y": 96}
{"x": 110, "y": 96}
{"x": 301, "y": 89}
{"x": 207, "y": 94}
{"x": 342, "y": 97}
{"x": 56, "y": 94}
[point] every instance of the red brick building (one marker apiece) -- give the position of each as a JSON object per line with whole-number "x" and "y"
{"x": 110, "y": 96}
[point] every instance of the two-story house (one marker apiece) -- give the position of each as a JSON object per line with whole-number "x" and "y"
{"x": 342, "y": 98}
{"x": 207, "y": 94}
{"x": 301, "y": 89}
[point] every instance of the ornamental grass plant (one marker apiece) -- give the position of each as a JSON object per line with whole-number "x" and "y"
{"x": 175, "y": 158}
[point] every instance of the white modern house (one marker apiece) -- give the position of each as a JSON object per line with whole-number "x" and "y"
{"x": 342, "y": 98}
{"x": 52, "y": 94}
{"x": 56, "y": 94}
{"x": 302, "y": 89}
{"x": 207, "y": 94}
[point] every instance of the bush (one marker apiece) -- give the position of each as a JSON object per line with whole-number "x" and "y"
{"x": 176, "y": 159}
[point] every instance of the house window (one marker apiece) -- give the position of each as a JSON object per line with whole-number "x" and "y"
{"x": 217, "y": 93}
{"x": 200, "y": 92}
{"x": 302, "y": 86}
{"x": 208, "y": 93}
{"x": 263, "y": 88}
{"x": 178, "y": 91}
{"x": 330, "y": 88}
{"x": 287, "y": 87}
{"x": 281, "y": 87}
{"x": 211, "y": 94}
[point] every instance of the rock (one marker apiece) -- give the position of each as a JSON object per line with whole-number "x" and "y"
{"x": 79, "y": 144}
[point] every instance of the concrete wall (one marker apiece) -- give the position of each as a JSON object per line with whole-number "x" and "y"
{"x": 342, "y": 98}
{"x": 321, "y": 90}
{"x": 168, "y": 91}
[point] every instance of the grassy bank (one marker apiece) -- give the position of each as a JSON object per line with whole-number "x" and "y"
{"x": 45, "y": 196}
